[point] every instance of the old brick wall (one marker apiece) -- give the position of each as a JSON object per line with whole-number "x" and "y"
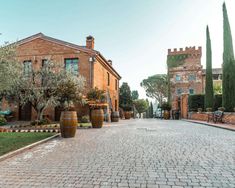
{"x": 229, "y": 117}
{"x": 101, "y": 72}
{"x": 191, "y": 66}
{"x": 39, "y": 49}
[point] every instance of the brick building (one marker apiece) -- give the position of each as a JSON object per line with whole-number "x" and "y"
{"x": 185, "y": 71}
{"x": 186, "y": 74}
{"x": 216, "y": 75}
{"x": 84, "y": 60}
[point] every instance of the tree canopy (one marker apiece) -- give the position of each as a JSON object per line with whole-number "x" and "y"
{"x": 134, "y": 95}
{"x": 125, "y": 99}
{"x": 156, "y": 87}
{"x": 141, "y": 105}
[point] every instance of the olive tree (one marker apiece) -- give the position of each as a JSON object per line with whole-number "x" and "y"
{"x": 45, "y": 87}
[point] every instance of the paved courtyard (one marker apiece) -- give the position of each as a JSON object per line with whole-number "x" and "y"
{"x": 135, "y": 153}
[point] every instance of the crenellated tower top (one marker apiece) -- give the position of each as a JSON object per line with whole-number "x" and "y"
{"x": 190, "y": 51}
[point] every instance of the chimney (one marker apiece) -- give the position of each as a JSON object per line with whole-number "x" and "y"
{"x": 110, "y": 62}
{"x": 90, "y": 42}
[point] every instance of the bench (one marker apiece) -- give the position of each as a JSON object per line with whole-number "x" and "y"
{"x": 216, "y": 116}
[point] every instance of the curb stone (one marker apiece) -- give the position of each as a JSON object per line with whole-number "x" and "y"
{"x": 28, "y": 147}
{"x": 207, "y": 124}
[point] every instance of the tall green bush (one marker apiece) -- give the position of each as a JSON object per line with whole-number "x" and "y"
{"x": 125, "y": 99}
{"x": 195, "y": 102}
{"x": 228, "y": 65}
{"x": 209, "y": 93}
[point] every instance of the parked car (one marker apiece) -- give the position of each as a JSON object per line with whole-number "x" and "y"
{"x": 158, "y": 113}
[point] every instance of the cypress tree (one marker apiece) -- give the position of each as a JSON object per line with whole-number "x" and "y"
{"x": 147, "y": 111}
{"x": 209, "y": 95}
{"x": 228, "y": 65}
{"x": 151, "y": 110}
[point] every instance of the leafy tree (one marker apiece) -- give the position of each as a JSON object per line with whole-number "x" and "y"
{"x": 134, "y": 95}
{"x": 8, "y": 67}
{"x": 209, "y": 94}
{"x": 69, "y": 89}
{"x": 41, "y": 88}
{"x": 228, "y": 65}
{"x": 217, "y": 89}
{"x": 156, "y": 87}
{"x": 141, "y": 106}
{"x": 46, "y": 87}
{"x": 125, "y": 99}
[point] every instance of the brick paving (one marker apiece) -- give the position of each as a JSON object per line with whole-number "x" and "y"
{"x": 135, "y": 153}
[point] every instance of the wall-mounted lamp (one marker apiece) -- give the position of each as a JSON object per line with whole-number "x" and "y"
{"x": 91, "y": 59}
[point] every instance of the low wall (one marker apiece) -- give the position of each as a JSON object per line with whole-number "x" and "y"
{"x": 229, "y": 117}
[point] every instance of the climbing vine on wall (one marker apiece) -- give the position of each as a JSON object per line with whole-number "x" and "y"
{"x": 176, "y": 60}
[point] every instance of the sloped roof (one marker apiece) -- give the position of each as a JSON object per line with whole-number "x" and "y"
{"x": 214, "y": 71}
{"x": 61, "y": 42}
{"x": 67, "y": 44}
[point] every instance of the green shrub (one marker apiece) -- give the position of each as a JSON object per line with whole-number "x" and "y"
{"x": 85, "y": 119}
{"x": 44, "y": 121}
{"x": 195, "y": 102}
{"x": 166, "y": 106}
{"x": 3, "y": 121}
{"x": 221, "y": 109}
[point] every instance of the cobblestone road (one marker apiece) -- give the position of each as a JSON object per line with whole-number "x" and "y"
{"x": 135, "y": 153}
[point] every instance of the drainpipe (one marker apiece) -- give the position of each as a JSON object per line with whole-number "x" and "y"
{"x": 91, "y": 60}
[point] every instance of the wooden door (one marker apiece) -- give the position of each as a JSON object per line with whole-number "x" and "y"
{"x": 25, "y": 112}
{"x": 58, "y": 111}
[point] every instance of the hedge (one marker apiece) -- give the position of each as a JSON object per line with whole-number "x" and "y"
{"x": 197, "y": 101}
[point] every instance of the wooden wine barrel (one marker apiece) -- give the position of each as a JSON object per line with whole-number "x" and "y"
{"x": 166, "y": 114}
{"x": 115, "y": 116}
{"x": 127, "y": 115}
{"x": 68, "y": 123}
{"x": 97, "y": 118}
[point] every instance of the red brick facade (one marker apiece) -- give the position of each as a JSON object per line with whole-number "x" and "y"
{"x": 185, "y": 72}
{"x": 229, "y": 117}
{"x": 91, "y": 65}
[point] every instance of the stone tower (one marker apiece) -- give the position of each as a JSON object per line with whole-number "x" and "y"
{"x": 184, "y": 71}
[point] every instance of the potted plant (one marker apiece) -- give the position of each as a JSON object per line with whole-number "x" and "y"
{"x": 221, "y": 109}
{"x": 96, "y": 99}
{"x": 68, "y": 93}
{"x": 127, "y": 111}
{"x": 208, "y": 109}
{"x": 166, "y": 107}
{"x": 199, "y": 110}
{"x": 3, "y": 121}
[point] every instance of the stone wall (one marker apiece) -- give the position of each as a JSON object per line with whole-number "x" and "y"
{"x": 229, "y": 117}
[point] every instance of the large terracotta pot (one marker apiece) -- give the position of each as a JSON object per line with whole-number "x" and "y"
{"x": 97, "y": 118}
{"x": 127, "y": 115}
{"x": 68, "y": 124}
{"x": 166, "y": 114}
{"x": 115, "y": 116}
